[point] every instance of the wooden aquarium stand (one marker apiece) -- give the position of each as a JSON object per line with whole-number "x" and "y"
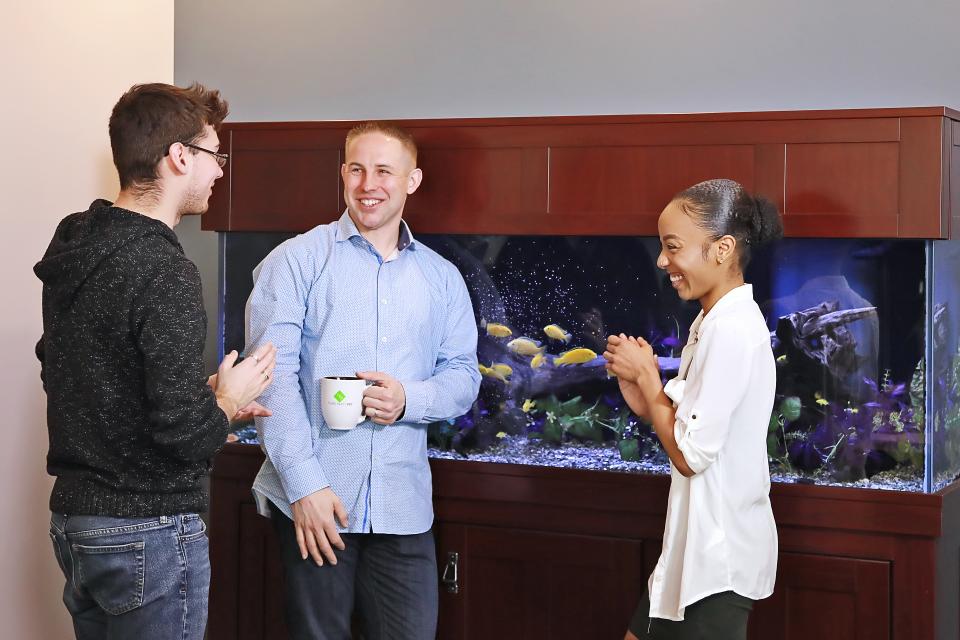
{"x": 562, "y": 553}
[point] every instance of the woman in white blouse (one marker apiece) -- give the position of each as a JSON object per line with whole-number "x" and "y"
{"x": 720, "y": 540}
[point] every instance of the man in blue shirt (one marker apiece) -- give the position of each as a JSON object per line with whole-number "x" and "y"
{"x": 353, "y": 509}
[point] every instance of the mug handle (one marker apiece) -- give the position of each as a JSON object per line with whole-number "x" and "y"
{"x": 363, "y": 414}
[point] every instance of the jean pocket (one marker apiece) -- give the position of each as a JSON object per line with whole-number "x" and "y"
{"x": 112, "y": 575}
{"x": 193, "y": 530}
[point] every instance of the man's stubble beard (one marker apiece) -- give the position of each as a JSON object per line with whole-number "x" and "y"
{"x": 194, "y": 203}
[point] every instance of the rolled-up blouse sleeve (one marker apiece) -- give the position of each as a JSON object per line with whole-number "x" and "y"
{"x": 724, "y": 357}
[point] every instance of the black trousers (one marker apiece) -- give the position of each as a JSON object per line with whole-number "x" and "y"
{"x": 722, "y": 616}
{"x": 391, "y": 580}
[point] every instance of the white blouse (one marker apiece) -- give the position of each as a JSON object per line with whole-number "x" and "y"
{"x": 720, "y": 534}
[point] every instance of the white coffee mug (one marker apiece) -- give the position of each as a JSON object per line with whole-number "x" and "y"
{"x": 341, "y": 400}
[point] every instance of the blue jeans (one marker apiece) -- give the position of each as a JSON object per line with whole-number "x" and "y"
{"x": 143, "y": 578}
{"x": 391, "y": 581}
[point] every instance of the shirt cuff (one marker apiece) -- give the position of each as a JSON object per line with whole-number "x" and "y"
{"x": 674, "y": 390}
{"x": 419, "y": 400}
{"x": 302, "y": 479}
{"x": 693, "y": 454}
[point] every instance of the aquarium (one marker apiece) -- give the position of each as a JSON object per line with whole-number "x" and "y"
{"x": 864, "y": 332}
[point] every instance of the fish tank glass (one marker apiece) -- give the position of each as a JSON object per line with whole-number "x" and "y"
{"x": 865, "y": 335}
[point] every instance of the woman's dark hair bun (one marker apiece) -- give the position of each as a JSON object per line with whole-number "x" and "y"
{"x": 766, "y": 226}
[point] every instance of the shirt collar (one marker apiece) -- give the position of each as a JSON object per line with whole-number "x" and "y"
{"x": 732, "y": 297}
{"x": 729, "y": 299}
{"x": 406, "y": 237}
{"x": 346, "y": 229}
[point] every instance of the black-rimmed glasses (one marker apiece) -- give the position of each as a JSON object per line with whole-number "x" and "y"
{"x": 221, "y": 158}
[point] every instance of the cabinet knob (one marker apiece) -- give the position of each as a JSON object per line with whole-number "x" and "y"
{"x": 451, "y": 574}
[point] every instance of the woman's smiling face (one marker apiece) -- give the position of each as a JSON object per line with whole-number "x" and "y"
{"x": 688, "y": 255}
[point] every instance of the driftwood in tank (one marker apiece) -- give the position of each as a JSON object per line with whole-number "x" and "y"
{"x": 820, "y": 348}
{"x": 526, "y": 382}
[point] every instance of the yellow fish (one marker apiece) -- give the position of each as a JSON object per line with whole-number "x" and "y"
{"x": 575, "y": 356}
{"x": 491, "y": 373}
{"x": 528, "y": 404}
{"x": 503, "y": 369}
{"x": 557, "y": 333}
{"x": 537, "y": 361}
{"x": 496, "y": 329}
{"x": 501, "y": 434}
{"x": 525, "y": 347}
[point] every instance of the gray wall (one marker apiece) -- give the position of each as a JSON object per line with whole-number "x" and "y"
{"x": 201, "y": 247}
{"x": 320, "y": 59}
{"x": 341, "y": 59}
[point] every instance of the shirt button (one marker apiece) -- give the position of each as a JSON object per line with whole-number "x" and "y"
{"x": 383, "y": 339}
{"x": 384, "y": 301}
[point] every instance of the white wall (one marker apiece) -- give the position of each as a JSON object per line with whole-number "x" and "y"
{"x": 65, "y": 64}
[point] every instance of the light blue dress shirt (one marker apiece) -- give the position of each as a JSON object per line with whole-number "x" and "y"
{"x": 333, "y": 306}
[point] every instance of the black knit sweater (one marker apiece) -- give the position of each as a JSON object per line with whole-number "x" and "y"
{"x": 132, "y": 422}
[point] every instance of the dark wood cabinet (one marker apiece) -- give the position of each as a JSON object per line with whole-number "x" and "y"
{"x": 821, "y": 596}
{"x": 848, "y": 173}
{"x": 563, "y": 553}
{"x": 516, "y": 583}
{"x": 259, "y": 578}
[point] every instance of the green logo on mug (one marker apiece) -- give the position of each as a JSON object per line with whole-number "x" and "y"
{"x": 339, "y": 396}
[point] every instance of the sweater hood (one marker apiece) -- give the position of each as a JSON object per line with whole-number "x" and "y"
{"x": 84, "y": 240}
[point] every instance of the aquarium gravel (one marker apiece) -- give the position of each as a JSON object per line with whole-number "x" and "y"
{"x": 602, "y": 457}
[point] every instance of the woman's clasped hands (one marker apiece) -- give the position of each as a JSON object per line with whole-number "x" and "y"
{"x": 635, "y": 365}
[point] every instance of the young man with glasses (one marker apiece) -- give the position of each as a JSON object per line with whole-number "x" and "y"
{"x": 133, "y": 421}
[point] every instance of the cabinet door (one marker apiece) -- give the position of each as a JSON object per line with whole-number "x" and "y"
{"x": 515, "y": 584}
{"x": 827, "y": 598}
{"x": 260, "y": 588}
{"x": 881, "y": 177}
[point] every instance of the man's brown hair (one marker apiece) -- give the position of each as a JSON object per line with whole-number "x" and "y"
{"x": 388, "y": 129}
{"x": 150, "y": 117}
